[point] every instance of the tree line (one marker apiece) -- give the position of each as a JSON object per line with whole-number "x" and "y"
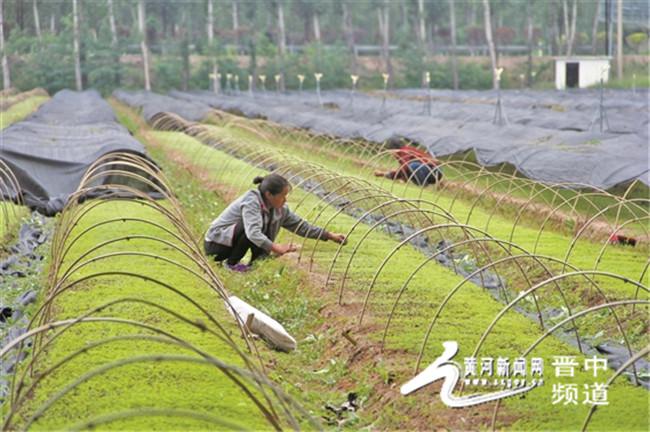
{"x": 112, "y": 43}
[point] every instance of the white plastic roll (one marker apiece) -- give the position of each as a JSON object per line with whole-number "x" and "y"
{"x": 262, "y": 325}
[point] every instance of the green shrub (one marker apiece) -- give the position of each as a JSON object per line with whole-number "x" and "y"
{"x": 331, "y": 61}
{"x": 168, "y": 72}
{"x": 475, "y": 76}
{"x": 470, "y": 75}
{"x": 638, "y": 41}
{"x": 415, "y": 64}
{"x": 103, "y": 78}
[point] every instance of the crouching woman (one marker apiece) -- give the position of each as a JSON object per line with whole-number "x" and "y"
{"x": 253, "y": 221}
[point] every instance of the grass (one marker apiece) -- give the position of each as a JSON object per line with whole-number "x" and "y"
{"x": 551, "y": 241}
{"x": 629, "y": 81}
{"x": 10, "y": 217}
{"x": 642, "y": 81}
{"x": 276, "y": 287}
{"x": 21, "y": 110}
{"x": 464, "y": 320}
{"x": 617, "y": 259}
{"x": 160, "y": 384}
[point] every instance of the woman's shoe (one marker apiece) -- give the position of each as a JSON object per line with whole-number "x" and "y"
{"x": 238, "y": 268}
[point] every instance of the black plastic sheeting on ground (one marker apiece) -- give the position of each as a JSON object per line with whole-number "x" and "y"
{"x": 153, "y": 103}
{"x": 24, "y": 261}
{"x": 50, "y": 151}
{"x": 21, "y": 255}
{"x": 550, "y": 136}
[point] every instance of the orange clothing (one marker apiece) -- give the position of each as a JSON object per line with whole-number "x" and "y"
{"x": 407, "y": 154}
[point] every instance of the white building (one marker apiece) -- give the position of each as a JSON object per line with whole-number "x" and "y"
{"x": 580, "y": 72}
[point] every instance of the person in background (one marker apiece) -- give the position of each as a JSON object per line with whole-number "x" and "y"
{"x": 253, "y": 221}
{"x": 414, "y": 164}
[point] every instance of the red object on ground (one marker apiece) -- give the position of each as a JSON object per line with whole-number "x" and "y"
{"x": 622, "y": 240}
{"x": 407, "y": 154}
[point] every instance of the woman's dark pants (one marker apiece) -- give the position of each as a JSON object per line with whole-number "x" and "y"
{"x": 233, "y": 254}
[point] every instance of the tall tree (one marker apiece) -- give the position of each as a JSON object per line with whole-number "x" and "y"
{"x": 114, "y": 44}
{"x": 235, "y": 21}
{"x": 594, "y": 29}
{"x": 316, "y": 24}
{"x": 348, "y": 31}
{"x": 529, "y": 42}
{"x": 570, "y": 26}
{"x": 250, "y": 10}
{"x": 383, "y": 16}
{"x": 316, "y": 11}
{"x": 404, "y": 16}
{"x": 185, "y": 56}
{"x": 619, "y": 39}
{"x": 303, "y": 10}
{"x": 20, "y": 14}
{"x": 142, "y": 19}
{"x": 215, "y": 65}
{"x": 282, "y": 40}
{"x": 5, "y": 62}
{"x": 488, "y": 37}
{"x": 566, "y": 26}
{"x": 76, "y": 45}
{"x": 454, "y": 64}
{"x": 422, "y": 29}
{"x": 37, "y": 20}
{"x": 282, "y": 35}
{"x": 111, "y": 22}
{"x": 553, "y": 11}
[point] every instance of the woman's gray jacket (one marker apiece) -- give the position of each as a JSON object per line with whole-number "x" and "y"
{"x": 260, "y": 223}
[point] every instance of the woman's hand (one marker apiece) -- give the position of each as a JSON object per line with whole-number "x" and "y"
{"x": 281, "y": 249}
{"x": 339, "y": 238}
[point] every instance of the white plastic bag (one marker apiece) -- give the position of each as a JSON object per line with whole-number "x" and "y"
{"x": 262, "y": 325}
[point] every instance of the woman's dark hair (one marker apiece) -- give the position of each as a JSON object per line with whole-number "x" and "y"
{"x": 272, "y": 183}
{"x": 394, "y": 143}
